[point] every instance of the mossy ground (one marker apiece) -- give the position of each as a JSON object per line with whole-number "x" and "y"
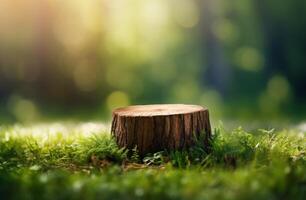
{"x": 81, "y": 161}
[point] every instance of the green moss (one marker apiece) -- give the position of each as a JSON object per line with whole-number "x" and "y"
{"x": 74, "y": 161}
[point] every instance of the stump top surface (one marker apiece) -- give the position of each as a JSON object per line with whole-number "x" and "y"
{"x": 158, "y": 110}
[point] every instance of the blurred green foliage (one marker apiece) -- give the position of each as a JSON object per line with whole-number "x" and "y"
{"x": 70, "y": 161}
{"x": 79, "y": 58}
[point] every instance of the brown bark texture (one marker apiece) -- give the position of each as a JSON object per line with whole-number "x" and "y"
{"x": 154, "y": 128}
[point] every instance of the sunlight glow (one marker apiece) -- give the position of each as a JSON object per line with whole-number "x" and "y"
{"x": 186, "y": 13}
{"x": 45, "y": 133}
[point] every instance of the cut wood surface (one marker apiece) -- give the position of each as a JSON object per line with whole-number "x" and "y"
{"x": 154, "y": 128}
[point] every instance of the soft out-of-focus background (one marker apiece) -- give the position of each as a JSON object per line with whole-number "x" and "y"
{"x": 76, "y": 59}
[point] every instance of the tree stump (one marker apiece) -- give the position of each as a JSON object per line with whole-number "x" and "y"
{"x": 154, "y": 128}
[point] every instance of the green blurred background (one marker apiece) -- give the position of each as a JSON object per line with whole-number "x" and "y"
{"x": 76, "y": 59}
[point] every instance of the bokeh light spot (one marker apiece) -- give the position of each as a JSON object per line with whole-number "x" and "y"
{"x": 117, "y": 99}
{"x": 23, "y": 110}
{"x": 154, "y": 13}
{"x": 277, "y": 93}
{"x": 249, "y": 59}
{"x": 278, "y": 88}
{"x": 225, "y": 31}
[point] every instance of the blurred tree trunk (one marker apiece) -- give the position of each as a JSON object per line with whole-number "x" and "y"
{"x": 218, "y": 71}
{"x": 52, "y": 82}
{"x": 274, "y": 40}
{"x": 284, "y": 37}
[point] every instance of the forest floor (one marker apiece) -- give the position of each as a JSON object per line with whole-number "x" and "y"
{"x": 82, "y": 161}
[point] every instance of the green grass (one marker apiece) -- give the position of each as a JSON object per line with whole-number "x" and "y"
{"x": 82, "y": 161}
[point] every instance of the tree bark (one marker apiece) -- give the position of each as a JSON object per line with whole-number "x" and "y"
{"x": 155, "y": 128}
